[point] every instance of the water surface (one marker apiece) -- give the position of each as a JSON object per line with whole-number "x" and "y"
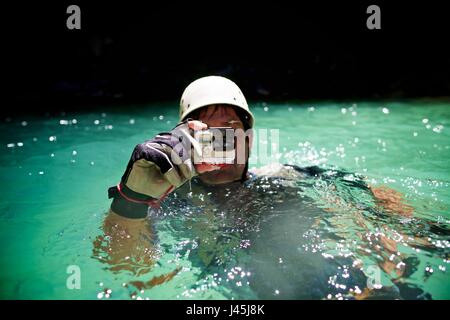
{"x": 304, "y": 237}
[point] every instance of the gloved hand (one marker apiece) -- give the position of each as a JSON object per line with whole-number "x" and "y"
{"x": 156, "y": 168}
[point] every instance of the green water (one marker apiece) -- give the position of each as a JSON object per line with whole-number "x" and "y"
{"x": 316, "y": 237}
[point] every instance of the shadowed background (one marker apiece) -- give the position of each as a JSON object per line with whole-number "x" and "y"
{"x": 131, "y": 52}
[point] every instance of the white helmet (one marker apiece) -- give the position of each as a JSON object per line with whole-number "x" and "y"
{"x": 212, "y": 90}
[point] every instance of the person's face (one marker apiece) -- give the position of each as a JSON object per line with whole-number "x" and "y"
{"x": 222, "y": 116}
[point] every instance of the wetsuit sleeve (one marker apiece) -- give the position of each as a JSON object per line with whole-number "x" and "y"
{"x": 156, "y": 167}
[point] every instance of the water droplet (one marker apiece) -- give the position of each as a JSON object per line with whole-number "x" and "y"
{"x": 438, "y": 128}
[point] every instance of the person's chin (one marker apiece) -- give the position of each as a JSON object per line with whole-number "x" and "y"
{"x": 214, "y": 178}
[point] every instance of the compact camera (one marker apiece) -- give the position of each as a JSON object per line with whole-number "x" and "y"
{"x": 217, "y": 145}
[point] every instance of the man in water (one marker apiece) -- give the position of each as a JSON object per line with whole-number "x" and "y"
{"x": 161, "y": 165}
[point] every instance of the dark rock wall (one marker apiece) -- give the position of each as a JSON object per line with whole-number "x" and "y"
{"x": 131, "y": 52}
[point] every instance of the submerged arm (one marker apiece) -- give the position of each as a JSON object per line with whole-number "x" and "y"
{"x": 391, "y": 201}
